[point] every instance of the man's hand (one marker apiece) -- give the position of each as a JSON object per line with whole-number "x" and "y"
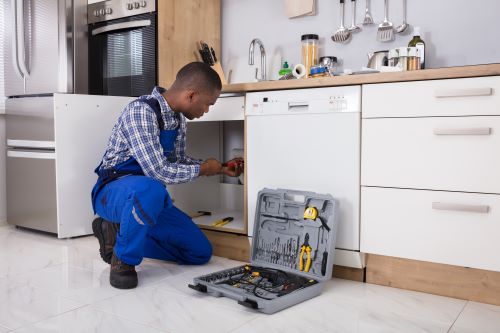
{"x": 210, "y": 167}
{"x": 234, "y": 167}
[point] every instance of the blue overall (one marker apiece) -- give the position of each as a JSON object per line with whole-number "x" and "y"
{"x": 150, "y": 225}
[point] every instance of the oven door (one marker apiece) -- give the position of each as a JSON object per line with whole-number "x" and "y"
{"x": 122, "y": 56}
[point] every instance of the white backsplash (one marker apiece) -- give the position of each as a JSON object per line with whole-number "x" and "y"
{"x": 457, "y": 32}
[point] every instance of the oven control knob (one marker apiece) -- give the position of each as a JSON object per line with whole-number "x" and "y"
{"x": 102, "y": 11}
{"x": 136, "y": 5}
{"x": 144, "y": 3}
{"x": 109, "y": 11}
{"x": 96, "y": 13}
{"x": 130, "y": 6}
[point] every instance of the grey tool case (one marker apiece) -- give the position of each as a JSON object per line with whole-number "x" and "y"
{"x": 288, "y": 225}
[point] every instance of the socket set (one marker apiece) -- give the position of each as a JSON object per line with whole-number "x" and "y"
{"x": 292, "y": 253}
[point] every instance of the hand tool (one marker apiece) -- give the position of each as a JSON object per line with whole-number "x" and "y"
{"x": 311, "y": 213}
{"x": 200, "y": 213}
{"x": 323, "y": 263}
{"x": 223, "y": 222}
{"x": 305, "y": 249}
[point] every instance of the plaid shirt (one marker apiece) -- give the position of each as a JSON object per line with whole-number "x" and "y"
{"x": 137, "y": 134}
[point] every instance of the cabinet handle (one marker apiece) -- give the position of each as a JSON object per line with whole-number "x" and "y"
{"x": 483, "y": 209}
{"x": 450, "y": 93}
{"x": 463, "y": 131}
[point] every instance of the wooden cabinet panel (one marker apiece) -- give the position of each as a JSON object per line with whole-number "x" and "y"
{"x": 181, "y": 24}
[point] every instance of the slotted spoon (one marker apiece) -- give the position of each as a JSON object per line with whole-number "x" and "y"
{"x": 368, "y": 17}
{"x": 342, "y": 34}
{"x": 385, "y": 32}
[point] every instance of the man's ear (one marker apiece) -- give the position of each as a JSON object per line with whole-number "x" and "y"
{"x": 190, "y": 95}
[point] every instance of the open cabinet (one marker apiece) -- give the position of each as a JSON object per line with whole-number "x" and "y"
{"x": 220, "y": 135}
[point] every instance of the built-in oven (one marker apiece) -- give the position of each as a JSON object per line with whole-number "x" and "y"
{"x": 122, "y": 47}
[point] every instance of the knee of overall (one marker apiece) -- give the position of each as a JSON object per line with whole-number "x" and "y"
{"x": 203, "y": 251}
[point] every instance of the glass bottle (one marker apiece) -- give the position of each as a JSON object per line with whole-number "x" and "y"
{"x": 420, "y": 45}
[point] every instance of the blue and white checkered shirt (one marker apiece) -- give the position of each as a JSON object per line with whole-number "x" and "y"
{"x": 137, "y": 134}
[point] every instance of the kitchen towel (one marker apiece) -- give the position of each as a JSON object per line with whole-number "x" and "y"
{"x": 298, "y": 8}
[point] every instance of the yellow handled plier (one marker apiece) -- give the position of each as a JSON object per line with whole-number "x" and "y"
{"x": 305, "y": 249}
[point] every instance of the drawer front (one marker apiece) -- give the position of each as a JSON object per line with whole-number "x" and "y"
{"x": 454, "y": 97}
{"x": 444, "y": 227}
{"x": 226, "y": 108}
{"x": 437, "y": 153}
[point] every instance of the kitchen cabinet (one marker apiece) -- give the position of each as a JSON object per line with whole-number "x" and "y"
{"x": 181, "y": 25}
{"x": 429, "y": 156}
{"x": 219, "y": 134}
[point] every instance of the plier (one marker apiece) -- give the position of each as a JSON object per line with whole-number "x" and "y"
{"x": 305, "y": 249}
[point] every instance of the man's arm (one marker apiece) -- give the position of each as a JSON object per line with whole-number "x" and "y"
{"x": 143, "y": 135}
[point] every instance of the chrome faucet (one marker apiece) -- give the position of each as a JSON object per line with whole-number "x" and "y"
{"x": 262, "y": 59}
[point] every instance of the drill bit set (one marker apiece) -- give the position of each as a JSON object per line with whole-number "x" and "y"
{"x": 292, "y": 253}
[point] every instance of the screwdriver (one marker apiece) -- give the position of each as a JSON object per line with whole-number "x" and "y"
{"x": 223, "y": 222}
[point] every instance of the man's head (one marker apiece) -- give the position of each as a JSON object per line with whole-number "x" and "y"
{"x": 196, "y": 87}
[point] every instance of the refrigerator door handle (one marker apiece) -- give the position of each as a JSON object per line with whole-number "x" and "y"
{"x": 31, "y": 144}
{"x": 15, "y": 42}
{"x": 49, "y": 155}
{"x": 21, "y": 42}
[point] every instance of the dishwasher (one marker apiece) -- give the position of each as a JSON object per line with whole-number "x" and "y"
{"x": 308, "y": 140}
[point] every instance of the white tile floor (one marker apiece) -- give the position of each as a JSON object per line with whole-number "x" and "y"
{"x": 51, "y": 285}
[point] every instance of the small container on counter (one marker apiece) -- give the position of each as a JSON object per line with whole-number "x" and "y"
{"x": 319, "y": 71}
{"x": 413, "y": 59}
{"x": 402, "y": 58}
{"x": 393, "y": 57}
{"x": 309, "y": 51}
{"x": 330, "y": 63}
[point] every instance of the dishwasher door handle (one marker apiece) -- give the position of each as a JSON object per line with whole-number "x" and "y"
{"x": 292, "y": 105}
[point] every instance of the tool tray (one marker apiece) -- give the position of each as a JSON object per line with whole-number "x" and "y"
{"x": 292, "y": 252}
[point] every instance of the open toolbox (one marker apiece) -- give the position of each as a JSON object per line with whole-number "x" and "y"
{"x": 292, "y": 252}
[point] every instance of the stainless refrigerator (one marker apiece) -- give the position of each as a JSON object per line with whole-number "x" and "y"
{"x": 46, "y": 48}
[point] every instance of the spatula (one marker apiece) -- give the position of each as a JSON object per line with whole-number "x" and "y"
{"x": 342, "y": 35}
{"x": 385, "y": 31}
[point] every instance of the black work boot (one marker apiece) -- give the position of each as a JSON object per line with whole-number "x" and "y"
{"x": 105, "y": 232}
{"x": 122, "y": 276}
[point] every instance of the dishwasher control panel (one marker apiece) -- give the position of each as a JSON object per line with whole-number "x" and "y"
{"x": 320, "y": 100}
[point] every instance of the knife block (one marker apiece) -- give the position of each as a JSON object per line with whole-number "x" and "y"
{"x": 218, "y": 68}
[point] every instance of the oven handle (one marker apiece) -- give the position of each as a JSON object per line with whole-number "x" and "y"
{"x": 121, "y": 26}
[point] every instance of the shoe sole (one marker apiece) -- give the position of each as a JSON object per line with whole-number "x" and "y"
{"x": 121, "y": 284}
{"x": 96, "y": 228}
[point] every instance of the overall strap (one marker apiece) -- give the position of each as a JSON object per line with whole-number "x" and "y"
{"x": 155, "y": 105}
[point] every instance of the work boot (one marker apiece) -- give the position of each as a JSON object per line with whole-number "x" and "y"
{"x": 122, "y": 276}
{"x": 105, "y": 232}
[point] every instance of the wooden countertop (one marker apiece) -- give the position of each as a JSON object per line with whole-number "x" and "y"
{"x": 427, "y": 74}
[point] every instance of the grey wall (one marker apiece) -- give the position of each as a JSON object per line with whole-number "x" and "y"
{"x": 457, "y": 32}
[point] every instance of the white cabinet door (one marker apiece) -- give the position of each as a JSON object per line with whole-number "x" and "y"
{"x": 224, "y": 109}
{"x": 456, "y": 97}
{"x": 436, "y": 226}
{"x": 438, "y": 153}
{"x": 83, "y": 124}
